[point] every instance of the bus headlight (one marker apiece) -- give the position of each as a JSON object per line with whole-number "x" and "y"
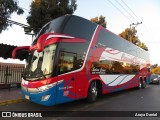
{"x": 46, "y": 87}
{"x": 42, "y": 88}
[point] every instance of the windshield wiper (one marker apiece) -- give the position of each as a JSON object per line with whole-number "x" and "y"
{"x": 47, "y": 74}
{"x": 32, "y": 78}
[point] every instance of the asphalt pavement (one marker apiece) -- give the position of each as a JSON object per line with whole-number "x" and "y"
{"x": 133, "y": 100}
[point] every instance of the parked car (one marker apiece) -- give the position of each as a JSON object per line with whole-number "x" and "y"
{"x": 155, "y": 78}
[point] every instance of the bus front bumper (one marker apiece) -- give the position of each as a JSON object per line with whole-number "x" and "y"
{"x": 47, "y": 97}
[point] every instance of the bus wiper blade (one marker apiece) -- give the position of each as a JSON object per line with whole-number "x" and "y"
{"x": 32, "y": 78}
{"x": 48, "y": 74}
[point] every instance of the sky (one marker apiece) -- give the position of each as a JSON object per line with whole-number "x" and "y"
{"x": 118, "y": 17}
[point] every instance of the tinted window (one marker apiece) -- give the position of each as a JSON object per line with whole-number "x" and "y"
{"x": 71, "y": 56}
{"x": 55, "y": 25}
{"x": 111, "y": 40}
{"x": 79, "y": 27}
{"x": 66, "y": 62}
{"x": 113, "y": 67}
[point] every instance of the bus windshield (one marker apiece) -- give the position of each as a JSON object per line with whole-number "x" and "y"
{"x": 40, "y": 64}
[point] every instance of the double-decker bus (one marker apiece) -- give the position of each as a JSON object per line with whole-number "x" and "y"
{"x": 72, "y": 58}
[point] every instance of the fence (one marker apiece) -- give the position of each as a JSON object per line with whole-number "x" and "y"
{"x": 11, "y": 75}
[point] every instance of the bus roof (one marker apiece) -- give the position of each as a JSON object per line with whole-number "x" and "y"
{"x": 82, "y": 28}
{"x": 70, "y": 25}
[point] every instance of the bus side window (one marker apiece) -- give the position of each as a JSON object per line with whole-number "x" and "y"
{"x": 66, "y": 62}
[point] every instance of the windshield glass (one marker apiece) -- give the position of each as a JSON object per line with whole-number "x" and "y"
{"x": 40, "y": 64}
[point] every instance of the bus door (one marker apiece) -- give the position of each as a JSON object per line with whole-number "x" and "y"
{"x": 66, "y": 90}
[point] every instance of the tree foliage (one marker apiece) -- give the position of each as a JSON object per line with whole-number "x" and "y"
{"x": 156, "y": 70}
{"x": 43, "y": 11}
{"x": 143, "y": 46}
{"x": 154, "y": 66}
{"x": 126, "y": 35}
{"x": 130, "y": 35}
{"x": 100, "y": 20}
{"x": 7, "y": 7}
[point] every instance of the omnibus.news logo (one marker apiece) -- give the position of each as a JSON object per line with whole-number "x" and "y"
{"x": 6, "y": 114}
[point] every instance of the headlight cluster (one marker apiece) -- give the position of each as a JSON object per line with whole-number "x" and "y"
{"x": 46, "y": 87}
{"x": 39, "y": 89}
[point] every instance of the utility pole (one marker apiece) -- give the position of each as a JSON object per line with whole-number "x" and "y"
{"x": 132, "y": 30}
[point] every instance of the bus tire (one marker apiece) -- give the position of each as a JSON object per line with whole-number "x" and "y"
{"x": 92, "y": 92}
{"x": 144, "y": 84}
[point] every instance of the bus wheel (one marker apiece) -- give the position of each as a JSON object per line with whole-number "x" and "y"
{"x": 92, "y": 92}
{"x": 144, "y": 84}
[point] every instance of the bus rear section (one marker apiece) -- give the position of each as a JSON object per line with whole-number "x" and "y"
{"x": 116, "y": 63}
{"x": 73, "y": 58}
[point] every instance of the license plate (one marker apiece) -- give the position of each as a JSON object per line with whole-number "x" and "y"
{"x": 27, "y": 97}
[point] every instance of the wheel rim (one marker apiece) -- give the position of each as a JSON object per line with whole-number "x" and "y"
{"x": 144, "y": 84}
{"x": 140, "y": 85}
{"x": 94, "y": 90}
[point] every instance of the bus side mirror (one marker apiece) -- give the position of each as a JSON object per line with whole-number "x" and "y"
{"x": 18, "y": 49}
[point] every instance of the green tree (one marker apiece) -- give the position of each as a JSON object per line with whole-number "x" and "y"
{"x": 7, "y": 7}
{"x": 130, "y": 35}
{"x": 43, "y": 11}
{"x": 100, "y": 20}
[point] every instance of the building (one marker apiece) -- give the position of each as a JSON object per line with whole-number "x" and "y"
{"x": 10, "y": 74}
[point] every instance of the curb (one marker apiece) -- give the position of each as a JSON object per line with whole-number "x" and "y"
{"x": 7, "y": 102}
